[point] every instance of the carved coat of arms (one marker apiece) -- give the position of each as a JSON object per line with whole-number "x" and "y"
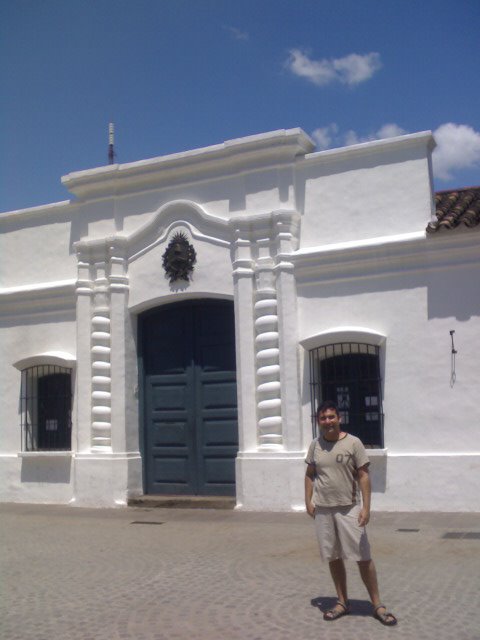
{"x": 179, "y": 258}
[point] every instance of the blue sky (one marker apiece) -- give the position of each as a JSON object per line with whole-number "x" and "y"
{"x": 175, "y": 75}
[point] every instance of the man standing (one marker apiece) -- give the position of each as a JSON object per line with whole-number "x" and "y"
{"x": 337, "y": 465}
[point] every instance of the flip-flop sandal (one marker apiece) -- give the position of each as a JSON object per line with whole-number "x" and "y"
{"x": 334, "y": 614}
{"x": 387, "y": 618}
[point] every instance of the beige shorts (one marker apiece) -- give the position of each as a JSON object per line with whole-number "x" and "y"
{"x": 339, "y": 534}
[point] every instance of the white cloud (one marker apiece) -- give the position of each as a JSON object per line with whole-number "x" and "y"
{"x": 319, "y": 72}
{"x": 350, "y": 70}
{"x": 390, "y": 130}
{"x": 238, "y": 34}
{"x": 458, "y": 147}
{"x": 351, "y": 137}
{"x": 324, "y": 136}
{"x": 354, "y": 69}
{"x": 328, "y": 137}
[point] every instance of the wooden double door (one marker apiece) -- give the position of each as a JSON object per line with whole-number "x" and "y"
{"x": 187, "y": 357}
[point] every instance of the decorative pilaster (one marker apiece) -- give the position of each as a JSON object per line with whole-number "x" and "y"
{"x": 84, "y": 293}
{"x": 269, "y": 403}
{"x": 106, "y": 350}
{"x": 286, "y": 239}
{"x": 101, "y": 366}
{"x": 124, "y": 416}
{"x": 243, "y": 281}
{"x": 107, "y": 463}
{"x": 265, "y": 285}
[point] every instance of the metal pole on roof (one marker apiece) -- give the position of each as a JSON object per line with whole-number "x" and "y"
{"x": 111, "y": 135}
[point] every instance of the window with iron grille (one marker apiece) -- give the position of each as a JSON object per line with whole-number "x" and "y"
{"x": 349, "y": 374}
{"x": 46, "y": 407}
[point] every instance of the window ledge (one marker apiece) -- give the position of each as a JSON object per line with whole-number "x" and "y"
{"x": 376, "y": 453}
{"x": 45, "y": 454}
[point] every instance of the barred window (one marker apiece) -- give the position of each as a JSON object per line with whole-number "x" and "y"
{"x": 46, "y": 407}
{"x": 349, "y": 374}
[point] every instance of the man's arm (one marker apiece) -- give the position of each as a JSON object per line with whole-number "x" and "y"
{"x": 309, "y": 478}
{"x": 363, "y": 478}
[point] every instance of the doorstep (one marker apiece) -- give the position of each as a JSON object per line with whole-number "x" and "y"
{"x": 183, "y": 502}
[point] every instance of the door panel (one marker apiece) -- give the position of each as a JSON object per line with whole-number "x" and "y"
{"x": 191, "y": 432}
{"x": 168, "y": 434}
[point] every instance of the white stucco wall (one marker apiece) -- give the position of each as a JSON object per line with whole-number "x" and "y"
{"x": 365, "y": 191}
{"x": 36, "y": 246}
{"x": 304, "y": 243}
{"x": 431, "y": 425}
{"x": 30, "y": 477}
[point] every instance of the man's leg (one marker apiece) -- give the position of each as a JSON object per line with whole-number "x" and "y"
{"x": 368, "y": 574}
{"x": 329, "y": 548}
{"x": 339, "y": 577}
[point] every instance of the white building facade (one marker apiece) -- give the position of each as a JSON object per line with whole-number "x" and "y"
{"x": 171, "y": 329}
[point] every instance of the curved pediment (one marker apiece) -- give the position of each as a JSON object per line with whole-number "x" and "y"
{"x": 178, "y": 214}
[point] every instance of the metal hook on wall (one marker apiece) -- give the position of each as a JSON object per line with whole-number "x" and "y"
{"x": 453, "y": 374}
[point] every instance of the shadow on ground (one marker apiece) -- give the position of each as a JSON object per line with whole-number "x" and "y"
{"x": 357, "y": 607}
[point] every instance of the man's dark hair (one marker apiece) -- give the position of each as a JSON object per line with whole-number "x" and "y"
{"x": 325, "y": 405}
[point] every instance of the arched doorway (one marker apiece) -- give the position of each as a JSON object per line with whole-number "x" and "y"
{"x": 189, "y": 398}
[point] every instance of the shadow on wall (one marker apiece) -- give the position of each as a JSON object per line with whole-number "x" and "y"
{"x": 378, "y": 473}
{"x": 454, "y": 294}
{"x": 49, "y": 470}
{"x": 451, "y": 293}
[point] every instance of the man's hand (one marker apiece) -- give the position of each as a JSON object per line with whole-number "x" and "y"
{"x": 363, "y": 517}
{"x": 309, "y": 478}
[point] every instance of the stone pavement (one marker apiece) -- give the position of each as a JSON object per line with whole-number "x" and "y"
{"x": 164, "y": 574}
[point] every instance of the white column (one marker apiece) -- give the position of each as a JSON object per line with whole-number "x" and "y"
{"x": 270, "y": 476}
{"x": 124, "y": 416}
{"x": 269, "y": 403}
{"x": 83, "y": 390}
{"x": 107, "y": 464}
{"x": 101, "y": 365}
{"x": 286, "y": 226}
{"x": 243, "y": 278}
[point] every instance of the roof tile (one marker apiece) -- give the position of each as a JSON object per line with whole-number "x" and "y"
{"x": 453, "y": 208}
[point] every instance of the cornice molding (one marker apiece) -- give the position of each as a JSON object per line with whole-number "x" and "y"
{"x": 231, "y": 157}
{"x": 38, "y": 290}
{"x": 262, "y": 225}
{"x": 38, "y": 298}
{"x": 421, "y": 140}
{"x": 382, "y": 257}
{"x": 54, "y": 208}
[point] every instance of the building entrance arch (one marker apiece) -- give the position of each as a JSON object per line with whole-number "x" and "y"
{"x": 189, "y": 398}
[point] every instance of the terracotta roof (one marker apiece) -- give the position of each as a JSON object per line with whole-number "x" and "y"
{"x": 453, "y": 208}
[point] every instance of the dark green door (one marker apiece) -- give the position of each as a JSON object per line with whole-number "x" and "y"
{"x": 190, "y": 398}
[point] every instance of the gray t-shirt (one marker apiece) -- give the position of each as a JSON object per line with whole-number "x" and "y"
{"x": 336, "y": 465}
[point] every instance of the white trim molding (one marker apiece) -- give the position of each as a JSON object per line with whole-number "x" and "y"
{"x": 58, "y": 358}
{"x": 343, "y": 334}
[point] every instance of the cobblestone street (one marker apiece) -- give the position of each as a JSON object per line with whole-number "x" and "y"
{"x": 165, "y": 574}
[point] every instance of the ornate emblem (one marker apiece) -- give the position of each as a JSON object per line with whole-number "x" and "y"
{"x": 179, "y": 258}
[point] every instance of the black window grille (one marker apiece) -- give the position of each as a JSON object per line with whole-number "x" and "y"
{"x": 349, "y": 374}
{"x": 46, "y": 408}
